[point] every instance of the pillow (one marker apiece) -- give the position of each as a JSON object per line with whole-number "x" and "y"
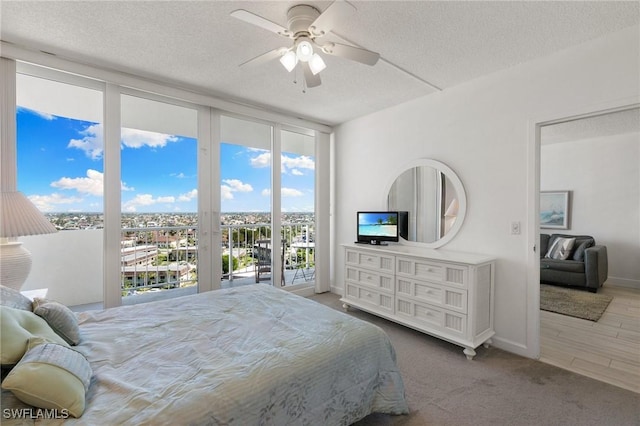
{"x": 579, "y": 253}
{"x": 14, "y": 299}
{"x": 16, "y": 328}
{"x": 60, "y": 318}
{"x": 51, "y": 376}
{"x": 560, "y": 248}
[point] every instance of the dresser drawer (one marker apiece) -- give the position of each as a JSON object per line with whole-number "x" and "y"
{"x": 363, "y": 259}
{"x": 432, "y": 318}
{"x": 435, "y": 294}
{"x": 382, "y": 301}
{"x": 381, "y": 282}
{"x": 437, "y": 272}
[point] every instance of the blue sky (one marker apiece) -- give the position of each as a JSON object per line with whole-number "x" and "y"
{"x": 60, "y": 169}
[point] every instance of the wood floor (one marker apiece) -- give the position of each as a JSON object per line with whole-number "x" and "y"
{"x": 607, "y": 350}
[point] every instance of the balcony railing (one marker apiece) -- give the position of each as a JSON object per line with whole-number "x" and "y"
{"x": 167, "y": 257}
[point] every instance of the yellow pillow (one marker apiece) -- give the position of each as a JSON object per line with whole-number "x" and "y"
{"x": 17, "y": 326}
{"x": 52, "y": 377}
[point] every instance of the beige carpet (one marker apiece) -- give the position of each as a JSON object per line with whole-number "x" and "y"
{"x": 573, "y": 303}
{"x": 496, "y": 388}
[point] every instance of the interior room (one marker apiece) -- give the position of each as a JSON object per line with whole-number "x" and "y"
{"x": 224, "y": 156}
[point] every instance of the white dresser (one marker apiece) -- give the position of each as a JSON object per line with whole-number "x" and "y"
{"x": 446, "y": 294}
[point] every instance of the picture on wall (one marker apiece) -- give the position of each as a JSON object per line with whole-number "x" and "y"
{"x": 554, "y": 209}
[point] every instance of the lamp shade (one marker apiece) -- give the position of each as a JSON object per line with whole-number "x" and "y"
{"x": 316, "y": 64}
{"x": 289, "y": 60}
{"x": 19, "y": 217}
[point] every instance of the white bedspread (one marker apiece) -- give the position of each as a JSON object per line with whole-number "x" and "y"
{"x": 252, "y": 355}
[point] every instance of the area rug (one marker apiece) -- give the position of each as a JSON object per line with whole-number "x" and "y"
{"x": 573, "y": 303}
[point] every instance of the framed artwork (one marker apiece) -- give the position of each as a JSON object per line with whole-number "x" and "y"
{"x": 554, "y": 209}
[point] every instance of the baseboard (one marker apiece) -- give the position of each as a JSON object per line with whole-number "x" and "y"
{"x": 336, "y": 290}
{"x": 622, "y": 282}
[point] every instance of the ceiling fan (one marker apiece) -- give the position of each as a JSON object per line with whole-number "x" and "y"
{"x": 305, "y": 26}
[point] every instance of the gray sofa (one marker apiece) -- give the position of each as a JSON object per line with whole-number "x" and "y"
{"x": 585, "y": 265}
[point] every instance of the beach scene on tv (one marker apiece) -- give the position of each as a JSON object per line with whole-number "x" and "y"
{"x": 377, "y": 224}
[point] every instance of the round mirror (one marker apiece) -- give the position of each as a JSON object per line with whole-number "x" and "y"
{"x": 434, "y": 198}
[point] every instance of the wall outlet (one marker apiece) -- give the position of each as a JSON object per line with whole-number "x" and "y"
{"x": 515, "y": 228}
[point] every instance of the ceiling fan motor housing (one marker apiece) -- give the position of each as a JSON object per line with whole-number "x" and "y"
{"x": 300, "y": 17}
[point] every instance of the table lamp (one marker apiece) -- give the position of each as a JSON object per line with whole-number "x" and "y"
{"x": 18, "y": 218}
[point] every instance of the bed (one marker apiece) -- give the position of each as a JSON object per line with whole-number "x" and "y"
{"x": 251, "y": 355}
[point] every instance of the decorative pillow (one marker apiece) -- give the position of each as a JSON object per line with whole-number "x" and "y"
{"x": 14, "y": 299}
{"x": 578, "y": 254}
{"x": 17, "y": 326}
{"x": 51, "y": 376}
{"x": 561, "y": 248}
{"x": 60, "y": 318}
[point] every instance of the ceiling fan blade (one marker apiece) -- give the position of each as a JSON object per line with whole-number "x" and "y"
{"x": 265, "y": 57}
{"x": 309, "y": 78}
{"x": 338, "y": 12}
{"x": 357, "y": 54}
{"x": 261, "y": 22}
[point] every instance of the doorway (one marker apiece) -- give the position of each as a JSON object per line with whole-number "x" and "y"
{"x": 597, "y": 157}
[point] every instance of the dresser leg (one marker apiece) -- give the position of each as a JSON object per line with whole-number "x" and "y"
{"x": 470, "y": 353}
{"x": 345, "y": 306}
{"x": 487, "y": 343}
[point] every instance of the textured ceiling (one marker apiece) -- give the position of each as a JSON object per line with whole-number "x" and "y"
{"x": 611, "y": 124}
{"x": 423, "y": 44}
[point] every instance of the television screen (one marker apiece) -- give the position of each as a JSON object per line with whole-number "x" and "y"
{"x": 377, "y": 227}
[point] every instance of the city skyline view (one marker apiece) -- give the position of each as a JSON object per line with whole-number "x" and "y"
{"x": 60, "y": 169}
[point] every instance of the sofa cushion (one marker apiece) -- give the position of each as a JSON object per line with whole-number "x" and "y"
{"x": 544, "y": 244}
{"x": 562, "y": 265}
{"x": 560, "y": 248}
{"x": 578, "y": 253}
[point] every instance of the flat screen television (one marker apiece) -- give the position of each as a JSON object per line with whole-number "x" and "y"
{"x": 378, "y": 227}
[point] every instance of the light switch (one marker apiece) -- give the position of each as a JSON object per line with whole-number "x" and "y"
{"x": 515, "y": 228}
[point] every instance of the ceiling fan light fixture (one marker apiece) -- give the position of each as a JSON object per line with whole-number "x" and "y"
{"x": 316, "y": 63}
{"x": 289, "y": 60}
{"x": 304, "y": 50}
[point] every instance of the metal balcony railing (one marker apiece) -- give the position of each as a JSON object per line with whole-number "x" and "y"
{"x": 156, "y": 258}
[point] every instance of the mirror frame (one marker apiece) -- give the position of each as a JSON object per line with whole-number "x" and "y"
{"x": 457, "y": 185}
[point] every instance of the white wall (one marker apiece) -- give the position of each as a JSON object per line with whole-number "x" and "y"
{"x": 482, "y": 130}
{"x": 604, "y": 177}
{"x": 69, "y": 264}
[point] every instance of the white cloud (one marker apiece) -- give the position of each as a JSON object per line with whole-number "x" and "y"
{"x": 293, "y": 164}
{"x": 93, "y": 184}
{"x": 262, "y": 160}
{"x": 145, "y": 200}
{"x": 301, "y": 162}
{"x": 237, "y": 185}
{"x": 284, "y": 192}
{"x": 188, "y": 196}
{"x": 291, "y": 192}
{"x": 226, "y": 192}
{"x": 134, "y": 138}
{"x": 48, "y": 203}
{"x": 92, "y": 142}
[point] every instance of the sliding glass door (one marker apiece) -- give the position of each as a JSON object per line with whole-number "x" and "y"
{"x": 159, "y": 195}
{"x": 246, "y": 201}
